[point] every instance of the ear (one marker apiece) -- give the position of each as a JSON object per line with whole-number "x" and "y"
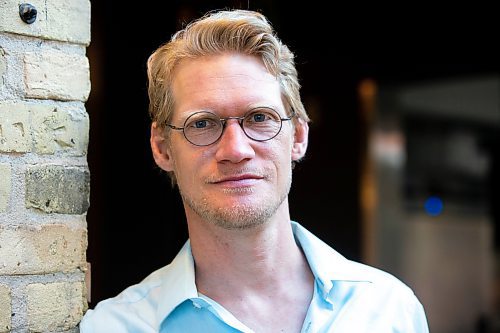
{"x": 300, "y": 139}
{"x": 160, "y": 148}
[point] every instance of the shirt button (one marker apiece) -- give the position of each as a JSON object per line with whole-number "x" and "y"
{"x": 196, "y": 305}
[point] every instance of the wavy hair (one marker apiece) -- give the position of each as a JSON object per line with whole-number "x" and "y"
{"x": 242, "y": 31}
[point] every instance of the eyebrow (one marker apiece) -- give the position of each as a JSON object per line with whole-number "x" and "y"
{"x": 248, "y": 109}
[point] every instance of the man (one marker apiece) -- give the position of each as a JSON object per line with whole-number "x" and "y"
{"x": 228, "y": 124}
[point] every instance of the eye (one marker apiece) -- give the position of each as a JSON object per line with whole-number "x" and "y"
{"x": 204, "y": 123}
{"x": 261, "y": 116}
{"x": 258, "y": 117}
{"x": 200, "y": 123}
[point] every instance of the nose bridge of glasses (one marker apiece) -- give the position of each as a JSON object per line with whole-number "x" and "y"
{"x": 238, "y": 119}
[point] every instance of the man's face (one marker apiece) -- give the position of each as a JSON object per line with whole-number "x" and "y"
{"x": 235, "y": 182}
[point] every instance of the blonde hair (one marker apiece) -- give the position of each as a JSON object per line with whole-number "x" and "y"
{"x": 243, "y": 31}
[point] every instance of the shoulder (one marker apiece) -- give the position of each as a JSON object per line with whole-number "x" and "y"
{"x": 382, "y": 298}
{"x": 141, "y": 307}
{"x": 133, "y": 310}
{"x": 330, "y": 266}
{"x": 384, "y": 290}
{"x": 376, "y": 275}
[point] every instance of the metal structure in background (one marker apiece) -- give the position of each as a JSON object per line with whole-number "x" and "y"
{"x": 427, "y": 195}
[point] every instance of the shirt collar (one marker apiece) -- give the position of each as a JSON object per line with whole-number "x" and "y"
{"x": 178, "y": 283}
{"x": 327, "y": 265}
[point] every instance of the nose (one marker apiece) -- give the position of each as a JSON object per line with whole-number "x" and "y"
{"x": 234, "y": 146}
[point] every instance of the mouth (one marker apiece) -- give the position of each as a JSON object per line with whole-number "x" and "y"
{"x": 241, "y": 180}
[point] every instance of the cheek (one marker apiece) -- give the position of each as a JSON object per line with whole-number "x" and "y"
{"x": 184, "y": 166}
{"x": 192, "y": 165}
{"x": 280, "y": 155}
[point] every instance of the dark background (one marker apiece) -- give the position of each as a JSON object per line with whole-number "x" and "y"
{"x": 136, "y": 222}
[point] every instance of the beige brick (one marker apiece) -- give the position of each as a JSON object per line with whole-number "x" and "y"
{"x": 55, "y": 306}
{"x": 56, "y": 129}
{"x": 65, "y": 20}
{"x": 57, "y": 189}
{"x": 14, "y": 128}
{"x": 44, "y": 129}
{"x": 56, "y": 75}
{"x": 5, "y": 309}
{"x": 4, "y": 186}
{"x": 51, "y": 248}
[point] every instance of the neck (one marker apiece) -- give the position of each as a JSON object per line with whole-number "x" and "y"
{"x": 239, "y": 261}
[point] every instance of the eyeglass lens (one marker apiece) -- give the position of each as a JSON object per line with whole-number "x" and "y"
{"x": 205, "y": 128}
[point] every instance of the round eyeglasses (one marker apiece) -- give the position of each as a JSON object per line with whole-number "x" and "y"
{"x": 205, "y": 128}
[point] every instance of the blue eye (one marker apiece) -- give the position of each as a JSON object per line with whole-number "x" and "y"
{"x": 200, "y": 124}
{"x": 259, "y": 117}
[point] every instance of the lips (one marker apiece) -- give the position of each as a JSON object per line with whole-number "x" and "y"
{"x": 238, "y": 178}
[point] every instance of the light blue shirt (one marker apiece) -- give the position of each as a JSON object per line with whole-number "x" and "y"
{"x": 349, "y": 297}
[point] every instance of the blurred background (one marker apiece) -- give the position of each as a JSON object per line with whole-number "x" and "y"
{"x": 402, "y": 170}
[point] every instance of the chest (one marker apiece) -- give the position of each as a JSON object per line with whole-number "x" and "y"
{"x": 352, "y": 311}
{"x": 273, "y": 317}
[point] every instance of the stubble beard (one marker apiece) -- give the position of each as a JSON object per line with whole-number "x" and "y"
{"x": 239, "y": 216}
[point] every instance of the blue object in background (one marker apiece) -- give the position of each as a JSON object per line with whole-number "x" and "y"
{"x": 433, "y": 206}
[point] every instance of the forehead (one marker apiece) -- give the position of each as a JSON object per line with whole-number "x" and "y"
{"x": 224, "y": 82}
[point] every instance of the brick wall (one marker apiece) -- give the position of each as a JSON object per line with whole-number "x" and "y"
{"x": 44, "y": 178}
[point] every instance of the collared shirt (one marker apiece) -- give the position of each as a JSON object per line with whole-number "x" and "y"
{"x": 349, "y": 297}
